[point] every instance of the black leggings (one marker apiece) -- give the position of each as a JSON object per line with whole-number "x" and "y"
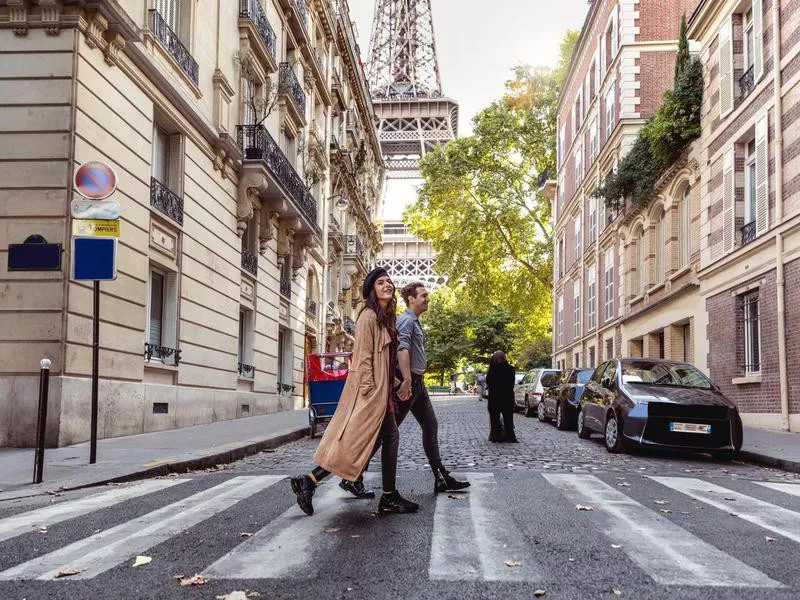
{"x": 389, "y": 439}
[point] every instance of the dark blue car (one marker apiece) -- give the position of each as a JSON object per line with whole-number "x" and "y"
{"x": 560, "y": 401}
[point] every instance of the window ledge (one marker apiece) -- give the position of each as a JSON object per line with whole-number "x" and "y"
{"x": 637, "y": 299}
{"x": 160, "y": 366}
{"x": 747, "y": 379}
{"x": 680, "y": 272}
{"x": 655, "y": 288}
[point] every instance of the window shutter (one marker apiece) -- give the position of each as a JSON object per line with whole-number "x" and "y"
{"x": 154, "y": 335}
{"x": 725, "y": 67}
{"x": 556, "y": 258}
{"x": 169, "y": 327}
{"x": 160, "y": 158}
{"x": 762, "y": 175}
{"x": 728, "y": 204}
{"x": 175, "y": 165}
{"x": 758, "y": 39}
{"x": 596, "y": 63}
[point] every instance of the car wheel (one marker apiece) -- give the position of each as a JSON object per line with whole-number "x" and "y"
{"x": 527, "y": 411}
{"x": 613, "y": 434}
{"x": 540, "y": 412}
{"x": 583, "y": 432}
{"x": 561, "y": 419}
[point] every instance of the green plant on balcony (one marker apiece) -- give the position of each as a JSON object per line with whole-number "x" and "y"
{"x": 663, "y": 138}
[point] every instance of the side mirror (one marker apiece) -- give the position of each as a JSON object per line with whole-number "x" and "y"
{"x": 550, "y": 380}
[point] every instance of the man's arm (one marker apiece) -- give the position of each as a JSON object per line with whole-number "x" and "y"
{"x": 404, "y": 331}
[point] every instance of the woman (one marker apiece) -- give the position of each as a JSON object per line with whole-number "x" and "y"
{"x": 500, "y": 381}
{"x": 366, "y": 409}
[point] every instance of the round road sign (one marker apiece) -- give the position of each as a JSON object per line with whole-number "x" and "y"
{"x": 95, "y": 180}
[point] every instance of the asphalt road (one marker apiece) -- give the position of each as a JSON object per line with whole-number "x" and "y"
{"x": 658, "y": 526}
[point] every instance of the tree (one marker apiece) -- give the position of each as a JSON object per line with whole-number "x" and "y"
{"x": 446, "y": 341}
{"x": 488, "y": 333}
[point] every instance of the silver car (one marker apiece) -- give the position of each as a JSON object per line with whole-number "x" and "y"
{"x": 528, "y": 392}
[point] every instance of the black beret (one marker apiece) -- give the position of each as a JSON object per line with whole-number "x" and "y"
{"x": 370, "y": 280}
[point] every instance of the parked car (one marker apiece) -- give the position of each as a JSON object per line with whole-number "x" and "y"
{"x": 658, "y": 403}
{"x": 561, "y": 395}
{"x": 528, "y": 391}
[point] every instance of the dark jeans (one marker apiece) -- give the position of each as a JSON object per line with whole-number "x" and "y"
{"x": 498, "y": 432}
{"x": 420, "y": 406}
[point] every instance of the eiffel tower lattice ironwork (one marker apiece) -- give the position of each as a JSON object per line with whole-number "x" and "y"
{"x": 403, "y": 73}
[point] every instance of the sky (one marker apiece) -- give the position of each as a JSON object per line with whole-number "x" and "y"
{"x": 477, "y": 47}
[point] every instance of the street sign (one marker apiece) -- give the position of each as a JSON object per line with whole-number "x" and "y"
{"x": 94, "y": 209}
{"x": 94, "y": 258}
{"x": 34, "y": 254}
{"x": 95, "y": 227}
{"x": 95, "y": 180}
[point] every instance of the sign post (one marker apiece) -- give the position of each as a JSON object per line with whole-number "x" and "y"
{"x": 95, "y": 229}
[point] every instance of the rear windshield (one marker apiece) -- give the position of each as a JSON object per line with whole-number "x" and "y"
{"x": 660, "y": 373}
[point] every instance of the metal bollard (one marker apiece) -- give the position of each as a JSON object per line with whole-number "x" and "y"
{"x": 44, "y": 381}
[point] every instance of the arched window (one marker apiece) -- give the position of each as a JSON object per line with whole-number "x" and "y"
{"x": 685, "y": 235}
{"x": 658, "y": 250}
{"x": 638, "y": 287}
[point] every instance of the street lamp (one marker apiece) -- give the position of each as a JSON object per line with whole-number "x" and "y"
{"x": 341, "y": 201}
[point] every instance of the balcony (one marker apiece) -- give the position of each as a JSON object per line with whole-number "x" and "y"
{"x": 257, "y": 145}
{"x": 353, "y": 126}
{"x": 337, "y": 88}
{"x": 173, "y": 45}
{"x": 252, "y": 11}
{"x": 246, "y": 371}
{"x": 354, "y": 248}
{"x": 250, "y": 262}
{"x": 166, "y": 201}
{"x": 748, "y": 233}
{"x": 286, "y": 288}
{"x": 290, "y": 85}
{"x": 302, "y": 11}
{"x": 162, "y": 353}
{"x": 335, "y": 232}
{"x": 746, "y": 82}
{"x": 320, "y": 62}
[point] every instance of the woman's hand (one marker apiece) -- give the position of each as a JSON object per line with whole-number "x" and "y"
{"x": 404, "y": 392}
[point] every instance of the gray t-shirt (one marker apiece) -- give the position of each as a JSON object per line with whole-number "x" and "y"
{"x": 411, "y": 338}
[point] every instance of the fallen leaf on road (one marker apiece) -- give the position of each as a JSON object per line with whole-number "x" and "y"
{"x": 666, "y": 511}
{"x": 539, "y": 593}
{"x": 246, "y": 534}
{"x": 142, "y": 560}
{"x": 67, "y": 573}
{"x": 332, "y": 529}
{"x": 584, "y": 507}
{"x": 196, "y": 579}
{"x": 237, "y": 595}
{"x": 770, "y": 539}
{"x": 661, "y": 502}
{"x": 513, "y": 563}
{"x": 41, "y": 530}
{"x": 616, "y": 591}
{"x": 615, "y": 546}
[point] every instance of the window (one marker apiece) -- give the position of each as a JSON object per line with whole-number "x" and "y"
{"x": 562, "y": 192}
{"x": 160, "y": 164}
{"x": 591, "y": 298}
{"x": 609, "y": 284}
{"x": 578, "y": 166}
{"x": 602, "y": 219}
{"x": 752, "y": 334}
{"x": 285, "y": 360}
{"x": 562, "y": 257}
{"x": 750, "y": 182}
{"x": 156, "y": 307}
{"x": 639, "y": 278}
{"x": 658, "y": 249}
{"x": 592, "y": 219}
{"x": 609, "y": 348}
{"x": 592, "y": 143}
{"x": 747, "y": 26}
{"x": 685, "y": 228}
{"x": 578, "y": 237}
{"x": 577, "y": 114}
{"x": 752, "y": 46}
{"x": 725, "y": 61}
{"x": 577, "y": 360}
{"x": 562, "y": 144}
{"x": 591, "y": 357}
{"x": 170, "y": 12}
{"x": 687, "y": 342}
{"x": 162, "y": 316}
{"x": 249, "y": 109}
{"x": 246, "y": 344}
{"x": 611, "y": 110}
{"x": 576, "y": 310}
{"x": 560, "y": 321}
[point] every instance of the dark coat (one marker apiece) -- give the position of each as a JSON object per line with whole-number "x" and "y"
{"x": 500, "y": 380}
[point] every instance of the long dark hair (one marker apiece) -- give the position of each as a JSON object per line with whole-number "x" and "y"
{"x": 386, "y": 318}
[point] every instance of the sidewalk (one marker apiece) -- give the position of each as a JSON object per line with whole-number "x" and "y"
{"x": 771, "y": 448}
{"x": 148, "y": 454}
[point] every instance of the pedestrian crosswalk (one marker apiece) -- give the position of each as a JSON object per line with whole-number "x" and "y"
{"x": 477, "y": 536}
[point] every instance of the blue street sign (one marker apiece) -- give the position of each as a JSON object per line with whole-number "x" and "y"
{"x": 94, "y": 258}
{"x": 34, "y": 254}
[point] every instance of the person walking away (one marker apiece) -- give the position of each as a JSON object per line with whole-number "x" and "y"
{"x": 500, "y": 380}
{"x": 366, "y": 410}
{"x": 480, "y": 383}
{"x": 412, "y": 394}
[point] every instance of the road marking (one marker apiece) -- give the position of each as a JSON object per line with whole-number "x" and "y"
{"x": 102, "y": 551}
{"x": 780, "y": 520}
{"x": 472, "y": 540}
{"x": 666, "y": 552}
{"x": 285, "y": 546}
{"x": 56, "y": 513}
{"x": 787, "y": 488}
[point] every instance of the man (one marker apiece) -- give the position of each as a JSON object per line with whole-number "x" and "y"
{"x": 412, "y": 394}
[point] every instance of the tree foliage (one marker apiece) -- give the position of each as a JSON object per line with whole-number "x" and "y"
{"x": 446, "y": 342}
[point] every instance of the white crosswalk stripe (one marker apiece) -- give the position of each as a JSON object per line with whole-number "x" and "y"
{"x": 471, "y": 541}
{"x": 777, "y": 519}
{"x": 787, "y": 488}
{"x": 50, "y": 515}
{"x": 665, "y": 551}
{"x": 102, "y": 551}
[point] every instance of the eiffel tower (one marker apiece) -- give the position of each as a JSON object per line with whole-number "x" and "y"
{"x": 413, "y": 117}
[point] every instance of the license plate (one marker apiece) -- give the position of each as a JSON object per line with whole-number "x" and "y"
{"x": 689, "y": 427}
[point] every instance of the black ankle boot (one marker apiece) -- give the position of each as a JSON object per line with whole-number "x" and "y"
{"x": 393, "y": 502}
{"x": 304, "y": 488}
{"x": 356, "y": 488}
{"x": 445, "y": 483}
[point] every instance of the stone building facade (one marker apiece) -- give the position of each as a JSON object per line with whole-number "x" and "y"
{"x": 227, "y": 125}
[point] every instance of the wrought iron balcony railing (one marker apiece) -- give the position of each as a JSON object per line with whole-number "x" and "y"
{"x": 285, "y": 387}
{"x": 290, "y": 82}
{"x": 244, "y": 370}
{"x": 746, "y": 82}
{"x": 174, "y": 46}
{"x": 748, "y": 233}
{"x": 257, "y": 144}
{"x": 165, "y": 200}
{"x": 286, "y": 288}
{"x": 250, "y": 262}
{"x": 320, "y": 61}
{"x": 336, "y": 79}
{"x": 162, "y": 353}
{"x": 353, "y": 245}
{"x": 252, "y": 9}
{"x": 311, "y": 308}
{"x": 302, "y": 10}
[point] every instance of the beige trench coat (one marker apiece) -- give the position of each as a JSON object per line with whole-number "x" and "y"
{"x": 348, "y": 441}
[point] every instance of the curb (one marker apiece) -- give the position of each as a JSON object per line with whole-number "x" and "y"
{"x": 769, "y": 461}
{"x": 201, "y": 462}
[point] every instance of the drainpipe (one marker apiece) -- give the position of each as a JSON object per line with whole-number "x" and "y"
{"x": 779, "y": 266}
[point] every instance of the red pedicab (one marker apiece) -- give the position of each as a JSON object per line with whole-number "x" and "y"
{"x": 326, "y": 375}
